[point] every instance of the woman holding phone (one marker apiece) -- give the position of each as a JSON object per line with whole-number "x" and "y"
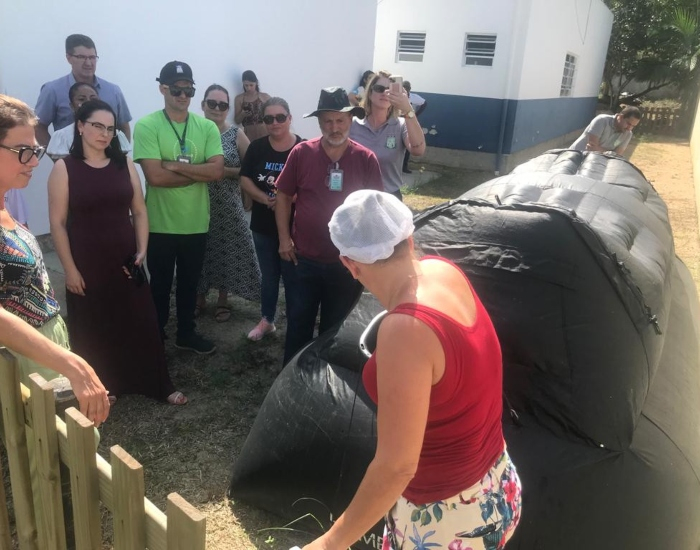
{"x": 111, "y": 316}
{"x": 389, "y": 129}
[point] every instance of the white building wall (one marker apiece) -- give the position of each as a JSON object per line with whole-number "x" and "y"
{"x": 557, "y": 27}
{"x": 294, "y": 47}
{"x": 446, "y": 23}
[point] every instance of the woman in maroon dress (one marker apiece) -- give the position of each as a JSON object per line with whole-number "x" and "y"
{"x": 111, "y": 316}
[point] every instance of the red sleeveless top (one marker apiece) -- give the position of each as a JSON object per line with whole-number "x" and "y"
{"x": 463, "y": 436}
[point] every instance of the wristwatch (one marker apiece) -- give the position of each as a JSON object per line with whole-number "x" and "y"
{"x": 411, "y": 114}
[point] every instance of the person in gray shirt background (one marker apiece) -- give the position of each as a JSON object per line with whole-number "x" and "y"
{"x": 609, "y": 132}
{"x": 53, "y": 105}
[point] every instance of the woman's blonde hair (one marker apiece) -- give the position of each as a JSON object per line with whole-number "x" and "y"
{"x": 366, "y": 104}
{"x": 14, "y": 112}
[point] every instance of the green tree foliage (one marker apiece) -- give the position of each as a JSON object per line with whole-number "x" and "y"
{"x": 656, "y": 42}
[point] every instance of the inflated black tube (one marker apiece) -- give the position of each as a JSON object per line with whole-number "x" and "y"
{"x": 572, "y": 256}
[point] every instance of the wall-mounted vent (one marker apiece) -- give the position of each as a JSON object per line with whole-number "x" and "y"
{"x": 410, "y": 46}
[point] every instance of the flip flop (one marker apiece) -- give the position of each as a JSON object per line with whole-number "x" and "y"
{"x": 177, "y": 398}
{"x": 223, "y": 314}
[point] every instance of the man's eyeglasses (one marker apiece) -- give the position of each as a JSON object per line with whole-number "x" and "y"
{"x": 175, "y": 91}
{"x": 379, "y": 88}
{"x": 25, "y": 153}
{"x": 213, "y": 105}
{"x": 280, "y": 118}
{"x": 102, "y": 128}
{"x": 84, "y": 58}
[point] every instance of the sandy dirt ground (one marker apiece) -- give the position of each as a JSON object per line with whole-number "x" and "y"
{"x": 667, "y": 164}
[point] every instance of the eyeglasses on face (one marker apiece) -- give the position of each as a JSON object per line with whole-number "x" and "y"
{"x": 110, "y": 130}
{"x": 213, "y": 105}
{"x": 84, "y": 58}
{"x": 175, "y": 91}
{"x": 379, "y": 88}
{"x": 25, "y": 153}
{"x": 280, "y": 118}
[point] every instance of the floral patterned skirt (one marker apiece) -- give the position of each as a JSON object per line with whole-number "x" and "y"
{"x": 482, "y": 517}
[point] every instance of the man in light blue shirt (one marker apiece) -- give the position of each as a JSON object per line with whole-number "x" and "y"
{"x": 53, "y": 105}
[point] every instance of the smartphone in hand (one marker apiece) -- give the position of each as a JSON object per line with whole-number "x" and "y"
{"x": 136, "y": 272}
{"x": 396, "y": 85}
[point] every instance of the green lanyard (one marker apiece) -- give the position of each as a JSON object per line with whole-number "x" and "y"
{"x": 180, "y": 139}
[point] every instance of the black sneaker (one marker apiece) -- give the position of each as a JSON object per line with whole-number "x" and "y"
{"x": 194, "y": 342}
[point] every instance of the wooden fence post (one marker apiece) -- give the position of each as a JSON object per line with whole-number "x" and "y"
{"x": 5, "y": 539}
{"x": 17, "y": 453}
{"x": 51, "y": 528}
{"x": 85, "y": 489}
{"x": 128, "y": 500}
{"x": 186, "y": 525}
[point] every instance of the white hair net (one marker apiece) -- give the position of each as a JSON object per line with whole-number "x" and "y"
{"x": 369, "y": 224}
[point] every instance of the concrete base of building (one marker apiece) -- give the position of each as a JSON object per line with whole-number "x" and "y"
{"x": 473, "y": 160}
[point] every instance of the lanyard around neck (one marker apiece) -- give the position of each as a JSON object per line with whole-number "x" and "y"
{"x": 180, "y": 139}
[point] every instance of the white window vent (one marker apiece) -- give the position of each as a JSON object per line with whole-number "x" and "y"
{"x": 479, "y": 49}
{"x": 410, "y": 46}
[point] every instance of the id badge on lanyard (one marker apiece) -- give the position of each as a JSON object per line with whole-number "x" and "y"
{"x": 335, "y": 179}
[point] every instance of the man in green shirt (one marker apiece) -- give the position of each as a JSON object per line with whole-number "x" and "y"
{"x": 179, "y": 153}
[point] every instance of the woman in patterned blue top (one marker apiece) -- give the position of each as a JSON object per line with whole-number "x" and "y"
{"x": 29, "y": 322}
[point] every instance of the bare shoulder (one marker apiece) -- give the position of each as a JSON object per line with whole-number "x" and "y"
{"x": 444, "y": 287}
{"x": 59, "y": 169}
{"x": 441, "y": 270}
{"x": 404, "y": 334}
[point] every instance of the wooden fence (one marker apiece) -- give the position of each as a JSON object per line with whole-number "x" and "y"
{"x": 661, "y": 121}
{"x": 119, "y": 484}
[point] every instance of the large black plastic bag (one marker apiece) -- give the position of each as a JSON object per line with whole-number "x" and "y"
{"x": 572, "y": 255}
{"x": 315, "y": 433}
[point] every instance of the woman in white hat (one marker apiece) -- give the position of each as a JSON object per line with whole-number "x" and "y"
{"x": 441, "y": 469}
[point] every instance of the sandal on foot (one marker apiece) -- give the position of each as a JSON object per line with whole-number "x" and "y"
{"x": 261, "y": 329}
{"x": 177, "y": 398}
{"x": 223, "y": 314}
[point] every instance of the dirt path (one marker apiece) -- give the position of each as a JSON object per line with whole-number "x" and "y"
{"x": 666, "y": 162}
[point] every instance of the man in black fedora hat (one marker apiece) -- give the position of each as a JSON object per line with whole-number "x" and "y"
{"x": 321, "y": 172}
{"x": 179, "y": 153}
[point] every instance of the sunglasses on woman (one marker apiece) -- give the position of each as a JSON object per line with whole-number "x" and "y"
{"x": 280, "y": 118}
{"x": 175, "y": 91}
{"x": 379, "y": 88}
{"x": 25, "y": 153}
{"x": 213, "y": 105}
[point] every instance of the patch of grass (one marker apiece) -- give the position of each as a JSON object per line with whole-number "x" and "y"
{"x": 451, "y": 183}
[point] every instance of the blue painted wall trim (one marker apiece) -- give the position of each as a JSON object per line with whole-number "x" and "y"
{"x": 473, "y": 123}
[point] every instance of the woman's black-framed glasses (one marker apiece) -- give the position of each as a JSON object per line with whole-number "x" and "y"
{"x": 379, "y": 88}
{"x": 25, "y": 153}
{"x": 280, "y": 118}
{"x": 213, "y": 105}
{"x": 109, "y": 130}
{"x": 175, "y": 91}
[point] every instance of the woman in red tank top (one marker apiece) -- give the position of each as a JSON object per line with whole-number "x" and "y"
{"x": 440, "y": 470}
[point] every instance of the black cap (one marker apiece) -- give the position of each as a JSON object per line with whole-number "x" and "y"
{"x": 336, "y": 100}
{"x": 174, "y": 71}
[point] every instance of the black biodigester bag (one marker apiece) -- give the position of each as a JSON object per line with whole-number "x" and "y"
{"x": 572, "y": 255}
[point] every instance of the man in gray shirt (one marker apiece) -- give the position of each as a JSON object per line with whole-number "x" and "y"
{"x": 609, "y": 132}
{"x": 53, "y": 105}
